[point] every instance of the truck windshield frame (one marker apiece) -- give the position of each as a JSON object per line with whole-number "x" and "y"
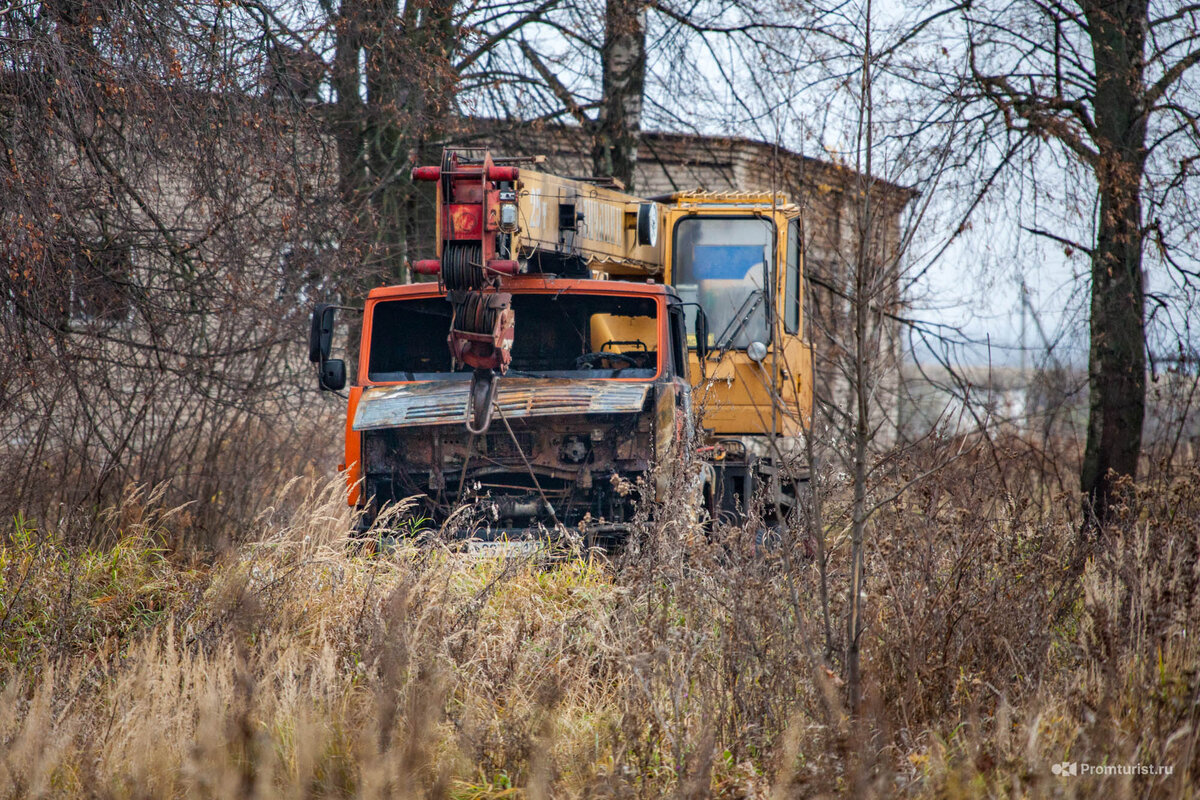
{"x": 566, "y": 334}
{"x": 737, "y": 265}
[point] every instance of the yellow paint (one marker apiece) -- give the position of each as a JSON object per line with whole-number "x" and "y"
{"x": 736, "y": 396}
{"x": 614, "y": 328}
{"x": 607, "y": 233}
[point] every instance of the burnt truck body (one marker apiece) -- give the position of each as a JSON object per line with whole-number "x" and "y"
{"x": 595, "y": 395}
{"x": 548, "y": 370}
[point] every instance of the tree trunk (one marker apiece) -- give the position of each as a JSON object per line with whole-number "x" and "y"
{"x": 401, "y": 56}
{"x": 345, "y": 78}
{"x": 1117, "y": 356}
{"x": 865, "y": 282}
{"x": 614, "y": 151}
{"x": 390, "y": 86}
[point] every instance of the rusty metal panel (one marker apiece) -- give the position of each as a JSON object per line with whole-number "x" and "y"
{"x": 445, "y": 402}
{"x": 608, "y": 233}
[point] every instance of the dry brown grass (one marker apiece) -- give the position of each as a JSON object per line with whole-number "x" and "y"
{"x": 695, "y": 666}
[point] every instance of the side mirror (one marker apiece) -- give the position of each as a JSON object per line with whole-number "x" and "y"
{"x": 320, "y": 332}
{"x": 333, "y": 375}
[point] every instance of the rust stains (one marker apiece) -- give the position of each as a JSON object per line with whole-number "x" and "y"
{"x": 445, "y": 402}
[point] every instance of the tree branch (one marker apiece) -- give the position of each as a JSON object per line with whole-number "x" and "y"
{"x": 556, "y": 86}
{"x": 1060, "y": 239}
{"x": 1160, "y": 86}
{"x": 504, "y": 33}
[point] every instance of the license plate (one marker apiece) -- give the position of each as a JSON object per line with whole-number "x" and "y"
{"x": 504, "y": 547}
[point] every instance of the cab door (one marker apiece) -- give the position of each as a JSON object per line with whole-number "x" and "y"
{"x": 794, "y": 360}
{"x": 677, "y": 324}
{"x": 673, "y": 406}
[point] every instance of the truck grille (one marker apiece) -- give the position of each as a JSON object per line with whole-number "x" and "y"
{"x": 500, "y": 446}
{"x": 443, "y": 403}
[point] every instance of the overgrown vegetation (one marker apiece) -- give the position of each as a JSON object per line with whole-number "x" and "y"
{"x": 182, "y": 181}
{"x": 694, "y": 664}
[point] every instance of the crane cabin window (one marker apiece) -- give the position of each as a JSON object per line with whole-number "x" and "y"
{"x": 724, "y": 263}
{"x": 791, "y": 285}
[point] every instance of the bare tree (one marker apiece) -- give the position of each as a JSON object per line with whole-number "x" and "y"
{"x": 402, "y": 78}
{"x": 1111, "y": 83}
{"x": 394, "y": 85}
{"x": 181, "y": 182}
{"x": 161, "y": 233}
{"x": 895, "y": 143}
{"x": 612, "y": 118}
{"x": 623, "y": 60}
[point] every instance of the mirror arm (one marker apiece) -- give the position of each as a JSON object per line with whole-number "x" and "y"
{"x": 321, "y": 340}
{"x": 701, "y": 341}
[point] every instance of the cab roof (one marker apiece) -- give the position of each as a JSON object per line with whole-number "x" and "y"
{"x": 537, "y": 283}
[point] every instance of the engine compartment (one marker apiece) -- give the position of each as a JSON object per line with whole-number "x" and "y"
{"x": 521, "y": 474}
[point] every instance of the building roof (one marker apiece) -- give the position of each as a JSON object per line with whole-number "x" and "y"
{"x": 671, "y": 162}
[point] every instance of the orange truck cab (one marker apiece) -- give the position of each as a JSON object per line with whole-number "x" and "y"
{"x": 596, "y": 393}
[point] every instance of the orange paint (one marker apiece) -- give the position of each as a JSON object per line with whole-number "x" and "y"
{"x": 353, "y": 460}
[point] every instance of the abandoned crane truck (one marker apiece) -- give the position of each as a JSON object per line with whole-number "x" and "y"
{"x": 573, "y": 337}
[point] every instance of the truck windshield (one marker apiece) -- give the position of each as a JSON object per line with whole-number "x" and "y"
{"x": 557, "y": 335}
{"x": 723, "y": 264}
